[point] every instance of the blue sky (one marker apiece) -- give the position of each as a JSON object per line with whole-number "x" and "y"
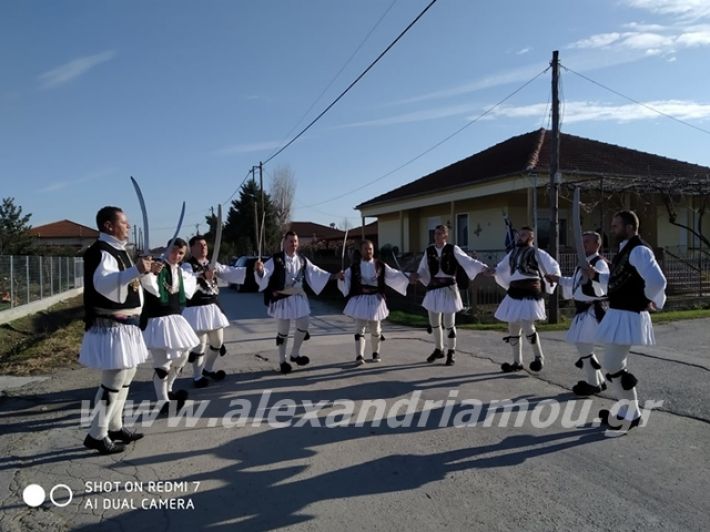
{"x": 186, "y": 96}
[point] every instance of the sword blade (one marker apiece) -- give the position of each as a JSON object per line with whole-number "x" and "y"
{"x": 175, "y": 235}
{"x": 144, "y": 211}
{"x": 217, "y": 237}
{"x": 577, "y": 223}
{"x": 396, "y": 262}
{"x": 342, "y": 255}
{"x": 261, "y": 233}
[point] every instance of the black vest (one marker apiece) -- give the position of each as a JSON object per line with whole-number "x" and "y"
{"x": 94, "y": 300}
{"x": 277, "y": 281}
{"x": 524, "y": 260}
{"x": 588, "y": 290}
{"x": 447, "y": 263}
{"x": 626, "y": 286}
{"x": 356, "y": 278}
{"x": 206, "y": 293}
{"x": 154, "y": 307}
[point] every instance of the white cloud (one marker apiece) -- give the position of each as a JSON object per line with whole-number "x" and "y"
{"x": 523, "y": 51}
{"x": 493, "y": 80}
{"x": 591, "y": 111}
{"x": 666, "y": 40}
{"x": 415, "y": 116}
{"x": 642, "y": 26}
{"x": 73, "y": 69}
{"x": 597, "y": 41}
{"x": 647, "y": 41}
{"x": 691, "y": 39}
{"x": 685, "y": 9}
{"x": 59, "y": 185}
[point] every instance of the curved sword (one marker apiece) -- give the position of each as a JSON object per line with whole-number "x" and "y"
{"x": 261, "y": 233}
{"x": 577, "y": 223}
{"x": 144, "y": 211}
{"x": 342, "y": 256}
{"x": 175, "y": 235}
{"x": 217, "y": 238}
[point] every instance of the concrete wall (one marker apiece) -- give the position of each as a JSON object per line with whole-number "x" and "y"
{"x": 43, "y": 304}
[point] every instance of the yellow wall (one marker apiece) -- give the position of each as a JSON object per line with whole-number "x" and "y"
{"x": 486, "y": 228}
{"x": 388, "y": 229}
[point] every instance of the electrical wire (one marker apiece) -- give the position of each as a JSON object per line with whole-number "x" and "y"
{"x": 645, "y": 105}
{"x": 337, "y": 75}
{"x": 352, "y": 84}
{"x": 432, "y": 148}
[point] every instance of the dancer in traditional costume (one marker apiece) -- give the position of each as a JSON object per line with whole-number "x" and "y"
{"x": 437, "y": 271}
{"x": 636, "y": 285}
{"x": 521, "y": 273}
{"x": 281, "y": 280}
{"x": 363, "y": 284}
{"x": 113, "y": 342}
{"x": 203, "y": 312}
{"x": 590, "y": 306}
{"x": 167, "y": 334}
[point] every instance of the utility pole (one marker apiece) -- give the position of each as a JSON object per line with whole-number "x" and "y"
{"x": 263, "y": 206}
{"x": 555, "y": 179}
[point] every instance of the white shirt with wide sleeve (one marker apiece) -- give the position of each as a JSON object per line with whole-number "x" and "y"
{"x": 395, "y": 279}
{"x": 471, "y": 266}
{"x": 572, "y": 286}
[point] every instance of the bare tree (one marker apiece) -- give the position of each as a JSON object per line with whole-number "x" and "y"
{"x": 282, "y": 192}
{"x": 345, "y": 225}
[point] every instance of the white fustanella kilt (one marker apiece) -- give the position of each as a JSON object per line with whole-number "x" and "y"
{"x": 446, "y": 300}
{"x": 204, "y": 318}
{"x": 511, "y": 310}
{"x": 369, "y": 307}
{"x": 170, "y": 333}
{"x": 117, "y": 346}
{"x": 624, "y": 327}
{"x": 584, "y": 328}
{"x": 290, "y": 308}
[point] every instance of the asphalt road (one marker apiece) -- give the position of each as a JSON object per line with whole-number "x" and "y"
{"x": 453, "y": 463}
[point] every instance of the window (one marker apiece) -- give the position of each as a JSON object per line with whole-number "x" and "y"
{"x": 462, "y": 231}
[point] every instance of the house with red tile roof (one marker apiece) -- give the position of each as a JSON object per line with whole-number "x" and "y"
{"x": 471, "y": 195}
{"x": 64, "y": 233}
{"x": 310, "y": 233}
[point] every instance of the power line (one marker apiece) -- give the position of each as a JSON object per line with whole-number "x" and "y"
{"x": 320, "y": 115}
{"x": 237, "y": 189}
{"x": 629, "y": 98}
{"x": 432, "y": 148}
{"x": 347, "y": 62}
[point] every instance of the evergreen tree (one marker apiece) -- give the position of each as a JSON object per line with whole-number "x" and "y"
{"x": 241, "y": 224}
{"x": 15, "y": 236}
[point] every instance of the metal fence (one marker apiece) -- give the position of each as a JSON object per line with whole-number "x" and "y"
{"x": 24, "y": 279}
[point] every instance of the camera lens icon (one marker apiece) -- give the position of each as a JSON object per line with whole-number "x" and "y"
{"x": 34, "y": 495}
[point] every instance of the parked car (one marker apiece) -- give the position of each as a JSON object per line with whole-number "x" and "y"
{"x": 249, "y": 283}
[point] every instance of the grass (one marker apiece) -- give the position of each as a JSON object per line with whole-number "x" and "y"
{"x": 44, "y": 341}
